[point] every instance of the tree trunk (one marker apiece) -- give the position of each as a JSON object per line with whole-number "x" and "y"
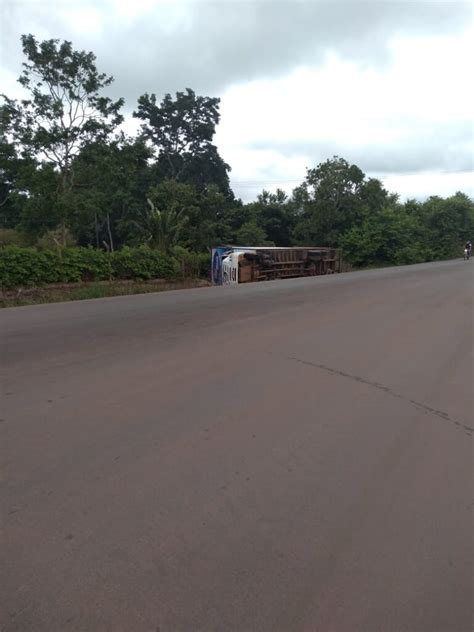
{"x": 66, "y": 187}
{"x": 96, "y": 225}
{"x": 63, "y": 233}
{"x": 111, "y": 241}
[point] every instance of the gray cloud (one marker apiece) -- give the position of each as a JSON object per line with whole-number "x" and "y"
{"x": 211, "y": 45}
{"x": 443, "y": 148}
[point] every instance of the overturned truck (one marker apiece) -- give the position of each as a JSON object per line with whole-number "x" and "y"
{"x": 233, "y": 264}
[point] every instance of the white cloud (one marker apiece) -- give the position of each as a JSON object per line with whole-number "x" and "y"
{"x": 421, "y": 186}
{"x": 413, "y": 114}
{"x": 85, "y": 18}
{"x": 384, "y": 84}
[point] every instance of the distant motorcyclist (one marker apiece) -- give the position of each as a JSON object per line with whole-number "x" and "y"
{"x": 467, "y": 249}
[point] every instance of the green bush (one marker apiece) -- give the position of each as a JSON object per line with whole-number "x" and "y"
{"x": 192, "y": 264}
{"x": 142, "y": 263}
{"x": 26, "y": 266}
{"x": 32, "y": 267}
{"x": 85, "y": 264}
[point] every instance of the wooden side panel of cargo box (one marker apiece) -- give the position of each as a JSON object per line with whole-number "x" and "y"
{"x": 245, "y": 271}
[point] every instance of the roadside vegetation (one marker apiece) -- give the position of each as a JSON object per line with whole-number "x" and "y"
{"x": 89, "y": 290}
{"x": 82, "y": 202}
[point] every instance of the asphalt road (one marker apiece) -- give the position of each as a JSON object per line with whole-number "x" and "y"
{"x": 287, "y": 456}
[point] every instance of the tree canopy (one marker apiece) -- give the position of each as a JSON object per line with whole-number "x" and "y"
{"x": 69, "y": 175}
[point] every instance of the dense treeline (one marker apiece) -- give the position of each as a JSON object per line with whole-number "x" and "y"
{"x": 70, "y": 177}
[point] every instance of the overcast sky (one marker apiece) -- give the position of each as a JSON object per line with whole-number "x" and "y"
{"x": 387, "y": 85}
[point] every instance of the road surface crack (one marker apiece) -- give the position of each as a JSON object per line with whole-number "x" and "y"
{"x": 381, "y": 387}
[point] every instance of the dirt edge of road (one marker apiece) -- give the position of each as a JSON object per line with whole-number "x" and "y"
{"x": 92, "y": 290}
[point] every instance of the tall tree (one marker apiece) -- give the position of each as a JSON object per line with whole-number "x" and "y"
{"x": 66, "y": 109}
{"x": 391, "y": 236}
{"x": 375, "y": 196}
{"x": 208, "y": 220}
{"x": 329, "y": 202}
{"x": 181, "y": 130}
{"x": 447, "y": 223}
{"x": 250, "y": 234}
{"x": 275, "y": 216}
{"x": 13, "y": 170}
{"x": 110, "y": 185}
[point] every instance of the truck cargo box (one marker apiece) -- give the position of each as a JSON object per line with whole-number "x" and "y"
{"x": 235, "y": 264}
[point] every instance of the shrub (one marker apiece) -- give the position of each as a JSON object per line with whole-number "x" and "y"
{"x": 84, "y": 264}
{"x": 142, "y": 263}
{"x": 27, "y": 266}
{"x": 33, "y": 267}
{"x": 192, "y": 264}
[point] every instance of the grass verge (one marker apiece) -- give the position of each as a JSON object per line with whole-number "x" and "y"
{"x": 83, "y": 291}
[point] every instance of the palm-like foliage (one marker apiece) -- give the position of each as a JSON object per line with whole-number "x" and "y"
{"x": 163, "y": 228}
